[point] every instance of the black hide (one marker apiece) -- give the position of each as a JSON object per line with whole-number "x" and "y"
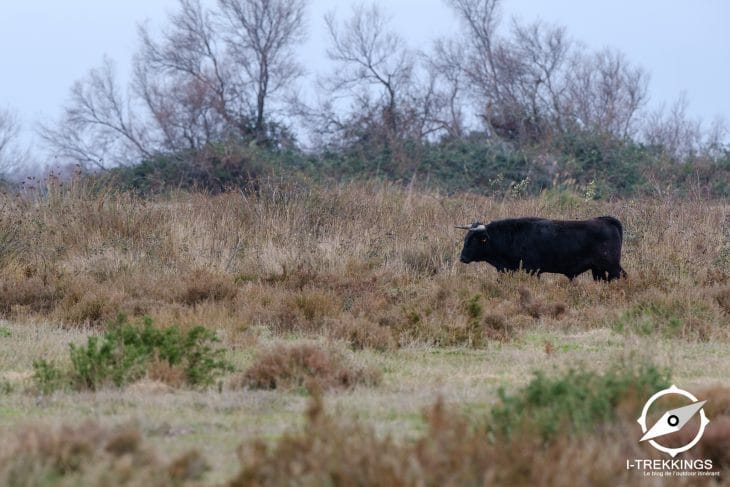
{"x": 538, "y": 245}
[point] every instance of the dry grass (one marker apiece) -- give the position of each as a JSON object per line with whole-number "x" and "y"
{"x": 335, "y": 261}
{"x": 91, "y": 455}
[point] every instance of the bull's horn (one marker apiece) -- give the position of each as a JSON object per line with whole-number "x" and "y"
{"x": 478, "y": 228}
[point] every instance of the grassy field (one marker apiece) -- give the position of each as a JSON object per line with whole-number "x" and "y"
{"x": 357, "y": 291}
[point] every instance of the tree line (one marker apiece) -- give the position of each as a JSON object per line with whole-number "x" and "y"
{"x": 218, "y": 97}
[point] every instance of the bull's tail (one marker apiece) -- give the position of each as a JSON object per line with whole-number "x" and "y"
{"x": 613, "y": 221}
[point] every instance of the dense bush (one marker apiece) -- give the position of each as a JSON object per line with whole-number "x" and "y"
{"x": 214, "y": 169}
{"x": 128, "y": 352}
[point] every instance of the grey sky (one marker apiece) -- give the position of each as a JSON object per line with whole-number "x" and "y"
{"x": 685, "y": 45}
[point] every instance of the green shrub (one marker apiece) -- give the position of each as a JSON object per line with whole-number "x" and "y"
{"x": 615, "y": 166}
{"x": 128, "y": 352}
{"x": 574, "y": 402}
{"x": 47, "y": 376}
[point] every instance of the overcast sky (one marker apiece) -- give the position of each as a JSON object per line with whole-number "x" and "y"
{"x": 684, "y": 45}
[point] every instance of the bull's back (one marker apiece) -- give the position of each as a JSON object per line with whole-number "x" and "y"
{"x": 560, "y": 246}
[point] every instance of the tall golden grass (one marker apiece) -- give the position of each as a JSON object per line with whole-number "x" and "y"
{"x": 372, "y": 263}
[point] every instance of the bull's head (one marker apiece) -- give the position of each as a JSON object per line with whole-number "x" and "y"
{"x": 476, "y": 242}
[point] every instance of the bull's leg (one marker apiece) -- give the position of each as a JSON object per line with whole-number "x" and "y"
{"x": 599, "y": 274}
{"x": 616, "y": 273}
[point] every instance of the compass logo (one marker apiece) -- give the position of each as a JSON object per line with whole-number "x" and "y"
{"x": 673, "y": 420}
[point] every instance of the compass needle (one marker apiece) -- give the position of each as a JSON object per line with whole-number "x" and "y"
{"x": 673, "y": 421}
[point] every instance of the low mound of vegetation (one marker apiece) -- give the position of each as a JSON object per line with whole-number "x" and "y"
{"x": 296, "y": 366}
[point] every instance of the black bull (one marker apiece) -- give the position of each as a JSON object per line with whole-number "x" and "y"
{"x": 538, "y": 245}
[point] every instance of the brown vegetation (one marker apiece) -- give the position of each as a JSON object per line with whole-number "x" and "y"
{"x": 292, "y": 366}
{"x": 92, "y": 455}
{"x": 371, "y": 264}
{"x": 453, "y": 451}
{"x": 536, "y": 308}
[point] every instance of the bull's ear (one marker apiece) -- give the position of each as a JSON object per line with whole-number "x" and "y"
{"x": 463, "y": 227}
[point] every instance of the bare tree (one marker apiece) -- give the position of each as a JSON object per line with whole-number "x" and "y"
{"x": 372, "y": 63}
{"x": 514, "y": 80}
{"x": 481, "y": 18}
{"x": 184, "y": 81}
{"x": 528, "y": 83}
{"x": 261, "y": 36}
{"x": 682, "y": 138}
{"x": 536, "y": 82}
{"x": 9, "y": 130}
{"x": 11, "y": 156}
{"x": 605, "y": 93}
{"x": 211, "y": 75}
{"x": 716, "y": 143}
{"x": 98, "y": 127}
{"x": 446, "y": 67}
{"x": 380, "y": 93}
{"x": 541, "y": 82}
